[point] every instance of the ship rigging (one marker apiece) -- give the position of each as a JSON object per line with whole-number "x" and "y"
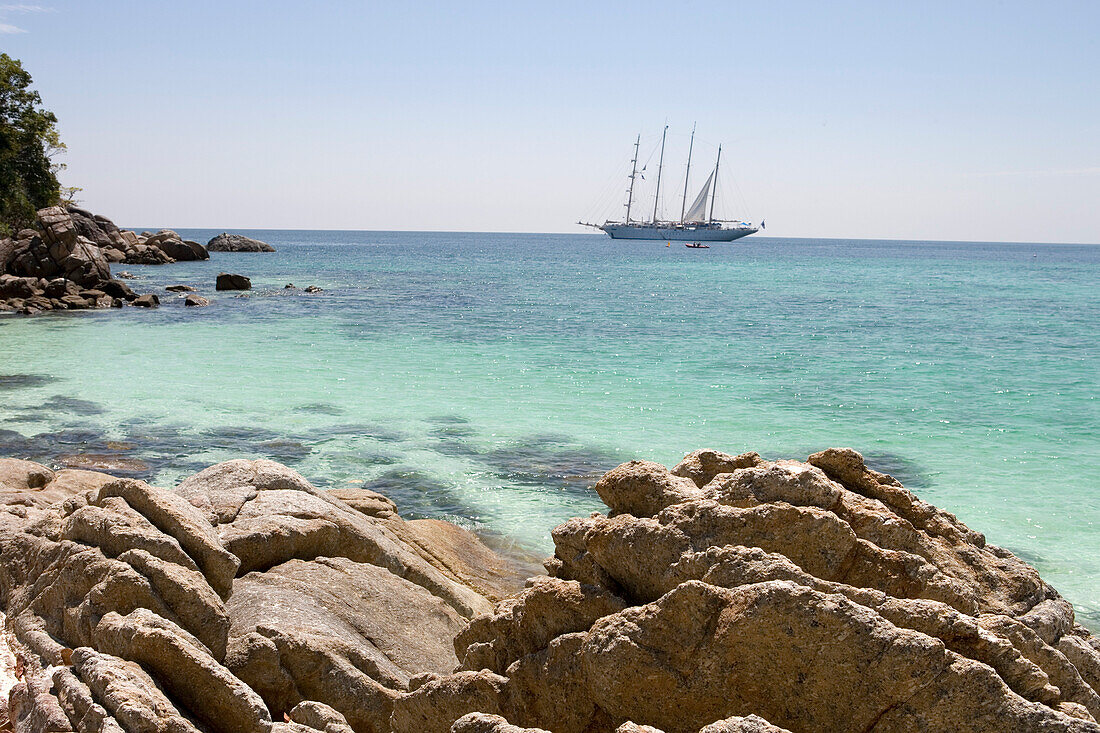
{"x": 696, "y": 223}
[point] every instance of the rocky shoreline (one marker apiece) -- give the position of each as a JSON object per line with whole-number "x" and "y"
{"x": 64, "y": 263}
{"x": 727, "y": 594}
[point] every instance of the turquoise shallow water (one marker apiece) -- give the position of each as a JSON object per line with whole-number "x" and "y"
{"x": 490, "y": 378}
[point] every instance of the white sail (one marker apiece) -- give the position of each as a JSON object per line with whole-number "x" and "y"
{"x": 698, "y": 210}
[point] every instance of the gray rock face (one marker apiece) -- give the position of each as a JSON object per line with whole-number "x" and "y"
{"x": 164, "y": 247}
{"x": 59, "y": 251}
{"x": 64, "y": 264}
{"x": 226, "y": 242}
{"x": 229, "y": 281}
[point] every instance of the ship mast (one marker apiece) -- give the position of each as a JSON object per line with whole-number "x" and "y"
{"x": 683, "y": 206}
{"x": 714, "y": 191}
{"x": 633, "y": 173}
{"x": 660, "y": 165}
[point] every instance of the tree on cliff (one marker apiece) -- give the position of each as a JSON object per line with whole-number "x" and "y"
{"x": 28, "y": 137}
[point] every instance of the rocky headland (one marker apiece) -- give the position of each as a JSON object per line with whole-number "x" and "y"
{"x": 64, "y": 262}
{"x": 729, "y": 593}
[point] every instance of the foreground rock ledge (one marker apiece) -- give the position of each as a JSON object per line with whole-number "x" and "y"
{"x": 727, "y": 594}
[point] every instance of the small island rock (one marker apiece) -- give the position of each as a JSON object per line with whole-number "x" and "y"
{"x": 226, "y": 242}
{"x": 228, "y": 281}
{"x": 147, "y": 301}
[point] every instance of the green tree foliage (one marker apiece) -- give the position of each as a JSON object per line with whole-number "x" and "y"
{"x": 28, "y": 138}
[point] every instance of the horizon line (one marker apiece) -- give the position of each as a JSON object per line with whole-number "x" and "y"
{"x": 743, "y": 240}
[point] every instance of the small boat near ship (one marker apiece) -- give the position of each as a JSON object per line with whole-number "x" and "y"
{"x": 697, "y": 245}
{"x": 695, "y": 224}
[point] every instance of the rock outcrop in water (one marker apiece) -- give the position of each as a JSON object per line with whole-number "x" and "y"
{"x": 123, "y": 246}
{"x": 229, "y": 281}
{"x": 226, "y": 242}
{"x": 64, "y": 264}
{"x": 727, "y": 594}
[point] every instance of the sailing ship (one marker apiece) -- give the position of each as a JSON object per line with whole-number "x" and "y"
{"x": 696, "y": 223}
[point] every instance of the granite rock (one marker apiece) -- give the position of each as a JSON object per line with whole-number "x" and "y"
{"x": 130, "y": 611}
{"x": 229, "y": 281}
{"x": 729, "y": 594}
{"x": 64, "y": 262}
{"x": 226, "y": 242}
{"x": 735, "y": 593}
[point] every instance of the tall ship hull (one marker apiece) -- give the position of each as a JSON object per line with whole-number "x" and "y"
{"x": 677, "y": 233}
{"x": 697, "y": 223}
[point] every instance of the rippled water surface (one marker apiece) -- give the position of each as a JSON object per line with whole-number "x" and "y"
{"x": 490, "y": 378}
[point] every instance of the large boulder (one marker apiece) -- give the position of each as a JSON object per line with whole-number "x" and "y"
{"x": 100, "y": 230}
{"x": 737, "y": 594}
{"x": 229, "y": 281}
{"x": 59, "y": 251}
{"x": 226, "y": 242}
{"x": 29, "y": 485}
{"x": 118, "y": 289}
{"x": 119, "y": 245}
{"x": 244, "y": 597}
{"x": 370, "y": 630}
{"x": 176, "y": 247}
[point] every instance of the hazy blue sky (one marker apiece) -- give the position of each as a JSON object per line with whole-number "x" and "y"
{"x": 937, "y": 120}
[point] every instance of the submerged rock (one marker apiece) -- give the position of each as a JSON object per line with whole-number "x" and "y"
{"x": 226, "y": 242}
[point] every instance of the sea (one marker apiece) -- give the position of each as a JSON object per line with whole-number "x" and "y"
{"x": 490, "y": 379}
